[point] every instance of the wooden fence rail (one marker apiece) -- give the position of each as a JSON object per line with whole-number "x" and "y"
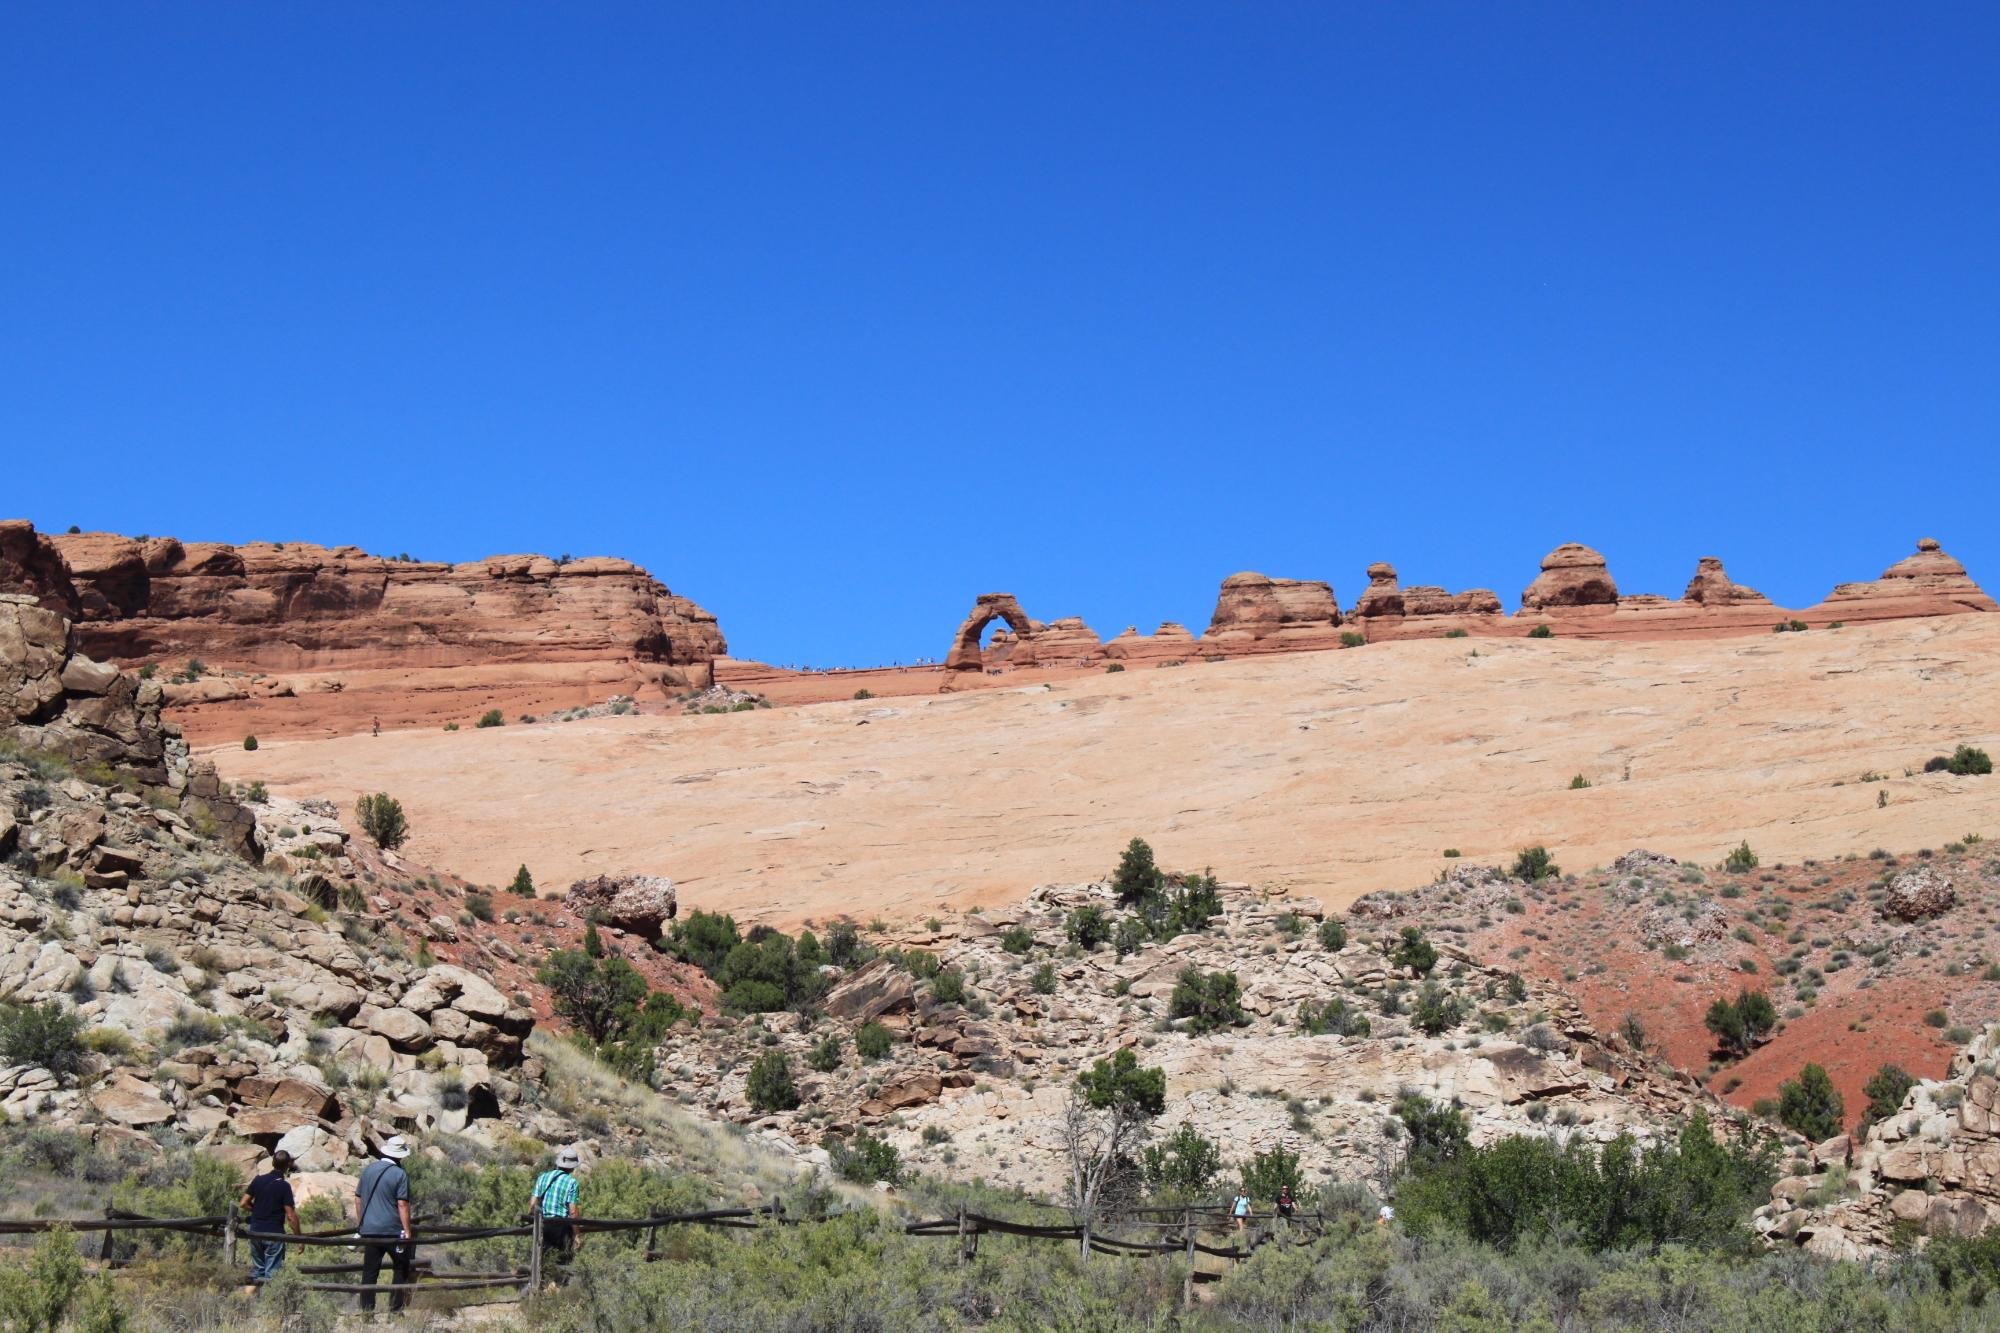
{"x": 1181, "y": 1228}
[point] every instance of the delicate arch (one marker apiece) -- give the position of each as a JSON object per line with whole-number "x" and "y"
{"x": 991, "y": 606}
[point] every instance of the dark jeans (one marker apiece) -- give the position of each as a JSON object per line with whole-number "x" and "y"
{"x": 266, "y": 1258}
{"x": 557, "y": 1235}
{"x": 402, "y": 1263}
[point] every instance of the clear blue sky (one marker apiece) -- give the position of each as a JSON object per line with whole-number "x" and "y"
{"x": 836, "y": 315}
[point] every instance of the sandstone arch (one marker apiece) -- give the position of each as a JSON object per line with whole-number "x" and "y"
{"x": 990, "y": 606}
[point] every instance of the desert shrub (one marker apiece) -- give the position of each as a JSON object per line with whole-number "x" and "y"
{"x": 1437, "y": 1010}
{"x": 249, "y": 742}
{"x": 825, "y": 1057}
{"x": 49, "y": 1034}
{"x": 1739, "y": 1024}
{"x": 479, "y": 906}
{"x": 1335, "y": 1017}
{"x": 597, "y": 996}
{"x": 770, "y": 971}
{"x": 843, "y": 944}
{"x": 1740, "y": 858}
{"x": 948, "y": 986}
{"x": 491, "y": 718}
{"x": 1811, "y": 1104}
{"x": 1017, "y": 940}
{"x": 1183, "y": 1166}
{"x": 1044, "y": 981}
{"x": 1113, "y": 668}
{"x": 1088, "y": 926}
{"x": 770, "y": 1087}
{"x": 865, "y": 1159}
{"x": 1534, "y": 864}
{"x": 1885, "y": 1090}
{"x": 864, "y": 694}
{"x": 1332, "y": 935}
{"x": 1436, "y": 1130}
{"x": 1579, "y": 782}
{"x": 704, "y": 939}
{"x": 1414, "y": 952}
{"x": 381, "y": 818}
{"x": 1542, "y": 632}
{"x": 53, "y": 1290}
{"x": 1209, "y": 1001}
{"x": 1351, "y": 639}
{"x": 523, "y": 884}
{"x": 1268, "y": 1174}
{"x": 871, "y": 1041}
{"x": 1967, "y": 761}
{"x": 1129, "y": 937}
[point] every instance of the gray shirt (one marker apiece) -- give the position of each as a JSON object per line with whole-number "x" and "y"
{"x": 383, "y": 1182}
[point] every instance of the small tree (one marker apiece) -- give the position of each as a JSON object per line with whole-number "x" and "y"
{"x": 1739, "y": 1024}
{"x": 825, "y": 1057}
{"x": 1208, "y": 1000}
{"x": 770, "y": 1087}
{"x": 381, "y": 818}
{"x": 1088, "y": 926}
{"x": 1811, "y": 1105}
{"x": 1270, "y": 1173}
{"x": 865, "y": 1159}
{"x": 1105, "y": 1123}
{"x": 600, "y": 998}
{"x": 1414, "y": 952}
{"x": 1184, "y": 1166}
{"x": 1138, "y": 876}
{"x": 843, "y": 944}
{"x": 1017, "y": 940}
{"x": 1740, "y": 859}
{"x": 1534, "y": 864}
{"x": 1130, "y": 935}
{"x": 1885, "y": 1092}
{"x": 523, "y": 885}
{"x": 1336, "y": 1016}
{"x": 948, "y": 986}
{"x": 1437, "y": 1131}
{"x": 1542, "y": 632}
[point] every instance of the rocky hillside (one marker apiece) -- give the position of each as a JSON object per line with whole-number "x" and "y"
{"x": 1324, "y": 1034}
{"x": 286, "y": 620}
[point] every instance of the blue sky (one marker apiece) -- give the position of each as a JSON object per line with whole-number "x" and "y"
{"x": 834, "y": 316}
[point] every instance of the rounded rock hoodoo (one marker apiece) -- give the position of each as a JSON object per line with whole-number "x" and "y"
{"x": 1572, "y": 575}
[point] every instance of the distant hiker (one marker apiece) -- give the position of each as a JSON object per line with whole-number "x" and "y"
{"x": 1285, "y": 1205}
{"x": 1386, "y": 1216}
{"x": 382, "y": 1219}
{"x": 556, "y": 1195}
{"x": 268, "y": 1201}
{"x": 1241, "y": 1210}
{"x": 378, "y": 727}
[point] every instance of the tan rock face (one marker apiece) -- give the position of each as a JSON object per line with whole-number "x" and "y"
{"x": 1256, "y": 606}
{"x": 1712, "y": 586}
{"x": 294, "y": 606}
{"x": 1572, "y": 575}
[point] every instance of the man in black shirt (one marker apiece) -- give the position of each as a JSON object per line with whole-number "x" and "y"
{"x": 268, "y": 1202}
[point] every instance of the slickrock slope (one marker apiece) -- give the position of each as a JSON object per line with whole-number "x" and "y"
{"x": 1332, "y": 774}
{"x": 422, "y": 641}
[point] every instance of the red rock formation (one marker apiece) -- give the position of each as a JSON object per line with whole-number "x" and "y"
{"x": 1257, "y": 607}
{"x": 1171, "y": 642}
{"x": 30, "y": 566}
{"x": 1712, "y": 586}
{"x": 1572, "y": 575}
{"x": 1383, "y": 597}
{"x": 1927, "y": 583}
{"x": 988, "y": 607}
{"x": 1422, "y": 599}
{"x": 298, "y": 607}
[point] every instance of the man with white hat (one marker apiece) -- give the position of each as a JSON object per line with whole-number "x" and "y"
{"x": 382, "y": 1212}
{"x": 556, "y": 1193}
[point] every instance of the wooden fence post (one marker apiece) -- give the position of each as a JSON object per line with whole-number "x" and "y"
{"x": 1083, "y": 1239}
{"x": 652, "y": 1243}
{"x": 535, "y": 1252}
{"x": 962, "y": 1255}
{"x": 1187, "y": 1283}
{"x": 229, "y": 1236}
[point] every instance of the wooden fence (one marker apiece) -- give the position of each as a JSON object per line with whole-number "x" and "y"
{"x": 1178, "y": 1233}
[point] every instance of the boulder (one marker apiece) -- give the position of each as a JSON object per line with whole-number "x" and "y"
{"x": 1712, "y": 586}
{"x": 870, "y": 992}
{"x": 1919, "y": 893}
{"x": 1572, "y": 575}
{"x": 131, "y": 1102}
{"x": 642, "y": 904}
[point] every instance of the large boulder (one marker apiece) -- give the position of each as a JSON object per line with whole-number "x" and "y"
{"x": 642, "y": 904}
{"x": 871, "y": 991}
{"x": 1919, "y": 893}
{"x": 1256, "y": 606}
{"x": 1572, "y": 575}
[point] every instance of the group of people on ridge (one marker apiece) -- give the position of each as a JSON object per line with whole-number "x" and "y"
{"x": 382, "y": 1217}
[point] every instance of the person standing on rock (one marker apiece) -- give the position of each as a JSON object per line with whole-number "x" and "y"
{"x": 556, "y": 1192}
{"x": 382, "y": 1219}
{"x": 268, "y": 1201}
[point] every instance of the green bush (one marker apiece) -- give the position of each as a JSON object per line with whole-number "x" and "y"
{"x": 381, "y": 818}
{"x": 491, "y": 718}
{"x": 479, "y": 906}
{"x": 948, "y": 986}
{"x": 49, "y": 1034}
{"x": 825, "y": 1057}
{"x": 1088, "y": 926}
{"x": 1210, "y": 1001}
{"x": 1113, "y": 668}
{"x": 1542, "y": 632}
{"x": 599, "y": 997}
{"x": 1017, "y": 940}
{"x": 1885, "y": 1091}
{"x": 770, "y": 1087}
{"x": 1437, "y": 1011}
{"x": 871, "y": 1041}
{"x": 1740, "y": 859}
{"x": 1044, "y": 982}
{"x": 864, "y": 694}
{"x": 1332, "y": 935}
{"x": 1129, "y": 937}
{"x": 704, "y": 939}
{"x": 921, "y": 963}
{"x": 843, "y": 944}
{"x": 1414, "y": 952}
{"x": 523, "y": 884}
{"x": 1811, "y": 1104}
{"x": 1270, "y": 1173}
{"x": 1738, "y": 1024}
{"x": 1138, "y": 876}
{"x": 1335, "y": 1017}
{"x": 1966, "y": 761}
{"x": 1182, "y": 1167}
{"x": 1350, "y": 639}
{"x": 249, "y": 742}
{"x": 1579, "y": 782}
{"x": 865, "y": 1159}
{"x": 1534, "y": 864}
{"x": 1121, "y": 1083}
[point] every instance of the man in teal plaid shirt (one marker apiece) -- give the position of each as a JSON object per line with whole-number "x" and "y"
{"x": 555, "y": 1195}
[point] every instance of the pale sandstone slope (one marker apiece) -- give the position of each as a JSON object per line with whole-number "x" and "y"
{"x": 1332, "y": 773}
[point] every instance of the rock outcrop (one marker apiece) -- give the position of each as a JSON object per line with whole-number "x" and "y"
{"x": 1383, "y": 596}
{"x": 1927, "y": 583}
{"x": 988, "y": 607}
{"x": 1919, "y": 893}
{"x": 1712, "y": 586}
{"x": 642, "y": 904}
{"x": 1572, "y": 575}
{"x": 279, "y": 607}
{"x": 1256, "y": 607}
{"x": 57, "y": 700}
